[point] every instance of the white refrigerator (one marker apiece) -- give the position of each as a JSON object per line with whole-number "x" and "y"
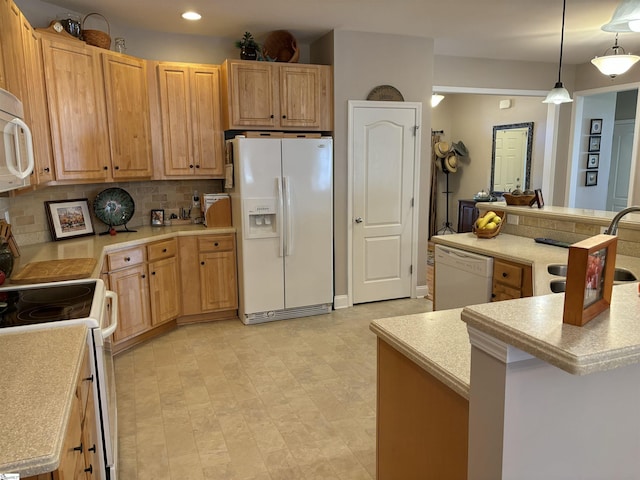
{"x": 282, "y": 207}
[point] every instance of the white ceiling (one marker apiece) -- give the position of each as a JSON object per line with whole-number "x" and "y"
{"x": 527, "y": 30}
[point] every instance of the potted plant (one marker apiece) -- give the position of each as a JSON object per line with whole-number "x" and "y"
{"x": 249, "y": 48}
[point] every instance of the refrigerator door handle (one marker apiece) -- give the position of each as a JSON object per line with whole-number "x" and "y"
{"x": 279, "y": 202}
{"x": 288, "y": 217}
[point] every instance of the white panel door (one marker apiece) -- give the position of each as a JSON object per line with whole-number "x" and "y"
{"x": 510, "y": 159}
{"x": 384, "y": 159}
{"x": 620, "y": 169}
{"x": 307, "y": 173}
{"x": 257, "y": 162}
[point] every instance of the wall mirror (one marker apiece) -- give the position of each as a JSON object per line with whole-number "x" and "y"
{"x": 511, "y": 157}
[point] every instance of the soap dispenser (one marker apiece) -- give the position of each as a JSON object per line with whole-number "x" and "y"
{"x": 196, "y": 211}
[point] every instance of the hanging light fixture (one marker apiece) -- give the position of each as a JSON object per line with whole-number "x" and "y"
{"x": 615, "y": 63}
{"x": 559, "y": 94}
{"x": 436, "y": 99}
{"x": 626, "y": 18}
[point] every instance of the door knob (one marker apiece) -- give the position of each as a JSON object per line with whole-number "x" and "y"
{"x": 359, "y": 220}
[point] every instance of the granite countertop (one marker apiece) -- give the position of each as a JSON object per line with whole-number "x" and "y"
{"x": 436, "y": 341}
{"x": 534, "y": 325}
{"x": 40, "y": 371}
{"x": 99, "y": 245}
{"x": 524, "y": 250}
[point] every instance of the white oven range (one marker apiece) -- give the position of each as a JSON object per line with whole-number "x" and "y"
{"x": 75, "y": 302}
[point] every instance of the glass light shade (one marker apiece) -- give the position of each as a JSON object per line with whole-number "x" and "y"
{"x": 614, "y": 65}
{"x": 191, "y": 16}
{"x": 626, "y": 18}
{"x": 436, "y": 99}
{"x": 558, "y": 95}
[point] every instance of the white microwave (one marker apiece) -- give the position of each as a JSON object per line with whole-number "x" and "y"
{"x": 16, "y": 151}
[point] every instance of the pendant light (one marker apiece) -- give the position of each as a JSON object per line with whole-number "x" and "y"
{"x": 615, "y": 63}
{"x": 436, "y": 98}
{"x": 559, "y": 94}
{"x": 626, "y": 18}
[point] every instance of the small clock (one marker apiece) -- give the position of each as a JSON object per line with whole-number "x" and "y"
{"x": 57, "y": 26}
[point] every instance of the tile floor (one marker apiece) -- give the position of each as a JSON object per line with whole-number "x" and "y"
{"x": 293, "y": 399}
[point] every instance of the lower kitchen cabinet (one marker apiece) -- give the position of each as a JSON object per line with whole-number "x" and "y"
{"x": 467, "y": 215}
{"x": 163, "y": 281}
{"x": 511, "y": 280}
{"x": 214, "y": 287}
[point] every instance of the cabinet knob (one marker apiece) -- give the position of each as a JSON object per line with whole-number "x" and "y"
{"x": 164, "y": 250}
{"x": 89, "y": 469}
{"x": 93, "y": 449}
{"x": 504, "y": 275}
{"x": 117, "y": 167}
{"x": 272, "y": 116}
{"x": 127, "y": 259}
{"x": 216, "y": 244}
{"x": 78, "y": 449}
{"x": 284, "y": 116}
{"x": 197, "y": 166}
{"x": 190, "y": 166}
{"x": 105, "y": 168}
{"x": 144, "y": 276}
{"x": 153, "y": 273}
{"x": 202, "y": 263}
{"x": 47, "y": 169}
{"x": 88, "y": 379}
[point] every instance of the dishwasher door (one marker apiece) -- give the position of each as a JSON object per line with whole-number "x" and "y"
{"x": 461, "y": 278}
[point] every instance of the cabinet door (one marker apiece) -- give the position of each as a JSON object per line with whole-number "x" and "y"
{"x": 11, "y": 46}
{"x": 132, "y": 287}
{"x": 164, "y": 287}
{"x": 175, "y": 107}
{"x": 219, "y": 289}
{"x": 252, "y": 96}
{"x": 127, "y": 104}
{"x": 75, "y": 95}
{"x": 206, "y": 121}
{"x": 89, "y": 440}
{"x": 37, "y": 114}
{"x": 300, "y": 96}
{"x": 189, "y": 276}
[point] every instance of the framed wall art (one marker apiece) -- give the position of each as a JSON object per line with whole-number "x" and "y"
{"x": 589, "y": 278}
{"x": 157, "y": 218}
{"x": 69, "y": 218}
{"x": 593, "y": 160}
{"x": 591, "y": 178}
{"x": 596, "y": 126}
{"x": 594, "y": 143}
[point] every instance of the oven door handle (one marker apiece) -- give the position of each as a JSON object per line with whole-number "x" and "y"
{"x": 107, "y": 332}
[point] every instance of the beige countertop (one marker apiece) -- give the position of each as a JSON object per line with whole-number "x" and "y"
{"x": 40, "y": 370}
{"x": 534, "y": 325}
{"x": 524, "y": 250}
{"x": 98, "y": 245}
{"x": 436, "y": 341}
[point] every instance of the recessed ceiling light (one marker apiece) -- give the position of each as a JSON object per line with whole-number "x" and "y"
{"x": 191, "y": 16}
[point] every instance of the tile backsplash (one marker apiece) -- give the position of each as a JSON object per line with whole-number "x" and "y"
{"x": 29, "y": 221}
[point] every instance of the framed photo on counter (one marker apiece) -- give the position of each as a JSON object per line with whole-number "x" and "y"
{"x": 157, "y": 218}
{"x": 589, "y": 278}
{"x": 69, "y": 218}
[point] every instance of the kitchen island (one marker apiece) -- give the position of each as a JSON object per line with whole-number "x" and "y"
{"x": 545, "y": 399}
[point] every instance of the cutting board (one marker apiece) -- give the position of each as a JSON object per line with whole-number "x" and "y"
{"x": 55, "y": 270}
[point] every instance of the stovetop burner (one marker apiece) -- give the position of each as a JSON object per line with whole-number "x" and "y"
{"x": 45, "y": 304}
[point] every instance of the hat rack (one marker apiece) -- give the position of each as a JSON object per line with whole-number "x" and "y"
{"x": 447, "y": 224}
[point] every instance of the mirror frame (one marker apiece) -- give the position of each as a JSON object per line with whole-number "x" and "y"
{"x": 529, "y": 127}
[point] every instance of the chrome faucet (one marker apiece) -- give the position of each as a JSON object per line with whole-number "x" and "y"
{"x": 613, "y": 226}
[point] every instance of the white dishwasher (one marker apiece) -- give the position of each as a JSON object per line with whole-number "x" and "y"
{"x": 461, "y": 278}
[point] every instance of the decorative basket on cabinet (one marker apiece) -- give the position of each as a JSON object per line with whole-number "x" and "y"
{"x": 97, "y": 38}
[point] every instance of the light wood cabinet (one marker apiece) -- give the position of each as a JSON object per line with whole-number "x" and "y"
{"x": 127, "y": 106}
{"x": 192, "y": 133}
{"x": 265, "y": 95}
{"x": 75, "y": 94}
{"x": 164, "y": 284}
{"x": 14, "y": 74}
{"x": 511, "y": 280}
{"x": 214, "y": 286}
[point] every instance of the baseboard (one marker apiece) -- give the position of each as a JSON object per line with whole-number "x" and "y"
{"x": 341, "y": 301}
{"x": 422, "y": 291}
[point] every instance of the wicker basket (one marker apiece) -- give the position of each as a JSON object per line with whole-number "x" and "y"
{"x": 97, "y": 38}
{"x": 521, "y": 200}
{"x": 490, "y": 233}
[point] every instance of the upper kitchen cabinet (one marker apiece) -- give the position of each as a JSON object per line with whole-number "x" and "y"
{"x": 13, "y": 69}
{"x": 276, "y": 96}
{"x": 192, "y": 135}
{"x": 75, "y": 94}
{"x": 127, "y": 104}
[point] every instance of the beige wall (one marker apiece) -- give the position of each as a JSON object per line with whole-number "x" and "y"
{"x": 471, "y": 118}
{"x": 363, "y": 61}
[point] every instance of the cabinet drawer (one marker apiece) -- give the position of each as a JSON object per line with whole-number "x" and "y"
{"x": 163, "y": 249}
{"x": 125, "y": 258}
{"x": 216, "y": 243}
{"x": 503, "y": 292}
{"x": 507, "y": 273}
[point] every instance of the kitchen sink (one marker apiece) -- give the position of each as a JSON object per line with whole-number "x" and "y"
{"x": 620, "y": 275}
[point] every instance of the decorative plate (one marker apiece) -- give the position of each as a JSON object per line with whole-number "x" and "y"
{"x": 114, "y": 206}
{"x": 385, "y": 93}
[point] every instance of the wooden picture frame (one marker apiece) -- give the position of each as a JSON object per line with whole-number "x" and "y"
{"x": 157, "y": 218}
{"x": 589, "y": 278}
{"x": 596, "y": 126}
{"x": 539, "y": 199}
{"x": 593, "y": 161}
{"x": 591, "y": 178}
{"x": 594, "y": 143}
{"x": 69, "y": 218}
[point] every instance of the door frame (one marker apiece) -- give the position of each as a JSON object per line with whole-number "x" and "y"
{"x": 417, "y": 108}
